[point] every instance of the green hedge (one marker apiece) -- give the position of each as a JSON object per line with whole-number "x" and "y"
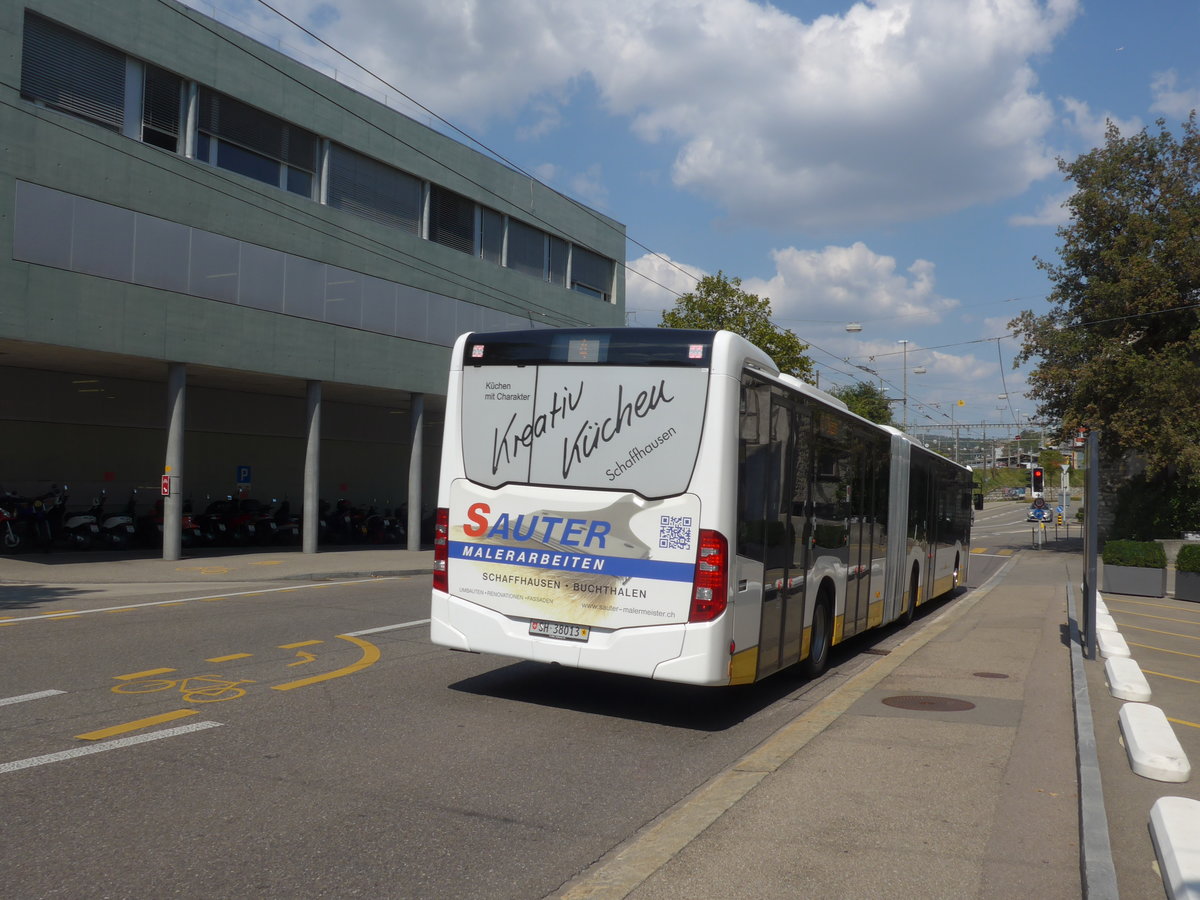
{"x": 1139, "y": 554}
{"x": 1188, "y": 559}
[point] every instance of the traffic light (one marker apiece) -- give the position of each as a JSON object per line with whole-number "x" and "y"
{"x": 1039, "y": 480}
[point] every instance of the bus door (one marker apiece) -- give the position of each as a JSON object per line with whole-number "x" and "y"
{"x": 765, "y": 534}
{"x": 861, "y": 487}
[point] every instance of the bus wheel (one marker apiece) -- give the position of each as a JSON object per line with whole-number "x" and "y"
{"x": 822, "y": 639}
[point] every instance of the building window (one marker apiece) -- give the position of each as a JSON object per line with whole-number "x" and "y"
{"x": 368, "y": 188}
{"x": 66, "y": 71}
{"x": 526, "y": 249}
{"x": 161, "y": 99}
{"x": 591, "y": 273}
{"x": 451, "y": 219}
{"x": 242, "y": 139}
{"x": 558, "y": 261}
{"x": 491, "y": 236}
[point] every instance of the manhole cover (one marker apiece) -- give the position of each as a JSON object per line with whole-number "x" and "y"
{"x": 990, "y": 675}
{"x": 929, "y": 704}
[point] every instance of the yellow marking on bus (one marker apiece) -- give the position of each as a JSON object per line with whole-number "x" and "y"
{"x": 369, "y": 658}
{"x": 1165, "y": 650}
{"x": 229, "y": 657}
{"x": 132, "y": 675}
{"x": 299, "y": 644}
{"x": 743, "y": 666}
{"x": 1176, "y": 677}
{"x": 136, "y": 725}
{"x": 1182, "y": 722}
{"x": 838, "y": 623}
{"x": 874, "y": 614}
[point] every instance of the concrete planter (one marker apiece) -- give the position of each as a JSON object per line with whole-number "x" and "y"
{"x": 1136, "y": 581}
{"x": 1187, "y": 586}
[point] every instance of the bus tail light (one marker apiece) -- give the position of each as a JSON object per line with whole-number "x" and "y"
{"x": 710, "y": 585}
{"x": 441, "y": 549}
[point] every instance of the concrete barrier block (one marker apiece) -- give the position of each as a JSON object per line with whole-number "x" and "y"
{"x": 1111, "y": 644}
{"x": 1154, "y": 751}
{"x": 1125, "y": 679}
{"x": 1175, "y": 828}
{"x": 1104, "y": 622}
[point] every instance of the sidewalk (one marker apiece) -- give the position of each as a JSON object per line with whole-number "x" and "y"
{"x": 213, "y": 565}
{"x": 945, "y": 770}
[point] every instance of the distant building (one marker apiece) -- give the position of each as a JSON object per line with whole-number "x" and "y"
{"x": 181, "y": 204}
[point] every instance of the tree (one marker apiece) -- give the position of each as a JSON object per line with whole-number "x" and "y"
{"x": 719, "y": 302}
{"x": 1120, "y": 348}
{"x": 867, "y": 400}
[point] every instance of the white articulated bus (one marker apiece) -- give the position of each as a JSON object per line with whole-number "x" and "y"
{"x": 664, "y": 503}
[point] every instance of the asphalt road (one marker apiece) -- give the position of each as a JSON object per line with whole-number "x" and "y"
{"x": 307, "y": 740}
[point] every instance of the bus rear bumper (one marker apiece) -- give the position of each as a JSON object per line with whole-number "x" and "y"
{"x": 667, "y": 652}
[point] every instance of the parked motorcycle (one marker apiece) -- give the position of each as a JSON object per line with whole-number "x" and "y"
{"x": 14, "y": 537}
{"x": 117, "y": 530}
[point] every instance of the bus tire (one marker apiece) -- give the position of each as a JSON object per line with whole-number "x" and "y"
{"x": 910, "y": 607}
{"x": 822, "y": 637}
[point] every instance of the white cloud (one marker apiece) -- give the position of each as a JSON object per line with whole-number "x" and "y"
{"x": 843, "y": 284}
{"x": 1091, "y": 127}
{"x": 1172, "y": 100}
{"x": 653, "y": 283}
{"x": 1052, "y": 211}
{"x": 890, "y": 111}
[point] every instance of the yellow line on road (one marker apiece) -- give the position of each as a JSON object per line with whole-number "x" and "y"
{"x": 1165, "y": 650}
{"x": 1165, "y": 675}
{"x": 1125, "y": 612}
{"x": 75, "y": 616}
{"x": 299, "y": 644}
{"x": 1190, "y": 637}
{"x": 132, "y": 675}
{"x": 1182, "y": 722}
{"x": 369, "y": 658}
{"x": 229, "y": 657}
{"x": 136, "y": 725}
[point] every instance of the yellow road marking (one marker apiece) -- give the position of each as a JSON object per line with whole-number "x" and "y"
{"x": 76, "y": 616}
{"x": 369, "y": 658}
{"x": 229, "y": 657}
{"x": 210, "y": 599}
{"x": 1125, "y": 612}
{"x": 146, "y": 674}
{"x": 1165, "y": 650}
{"x": 57, "y": 612}
{"x": 1190, "y": 637}
{"x": 299, "y": 644}
{"x": 122, "y": 609}
{"x": 305, "y": 658}
{"x": 268, "y": 562}
{"x": 136, "y": 725}
{"x": 1172, "y": 606}
{"x": 1176, "y": 677}
{"x": 1182, "y": 722}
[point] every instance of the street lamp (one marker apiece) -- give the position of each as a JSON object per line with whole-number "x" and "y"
{"x": 904, "y": 344}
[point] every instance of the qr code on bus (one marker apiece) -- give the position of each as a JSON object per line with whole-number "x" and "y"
{"x": 675, "y": 532}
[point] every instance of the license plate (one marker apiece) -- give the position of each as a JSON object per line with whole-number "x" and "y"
{"x": 559, "y": 630}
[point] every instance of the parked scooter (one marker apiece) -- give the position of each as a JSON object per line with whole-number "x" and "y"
{"x": 287, "y": 526}
{"x": 14, "y": 537}
{"x": 117, "y": 530}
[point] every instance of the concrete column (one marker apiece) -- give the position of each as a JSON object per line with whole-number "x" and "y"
{"x": 173, "y": 466}
{"x": 416, "y": 427}
{"x": 311, "y": 527}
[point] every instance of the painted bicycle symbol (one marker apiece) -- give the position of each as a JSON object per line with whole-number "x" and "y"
{"x": 195, "y": 689}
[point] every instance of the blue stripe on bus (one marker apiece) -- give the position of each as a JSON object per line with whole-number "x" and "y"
{"x": 619, "y": 566}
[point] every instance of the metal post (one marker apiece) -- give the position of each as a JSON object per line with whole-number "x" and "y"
{"x": 416, "y": 427}
{"x": 173, "y": 466}
{"x": 1091, "y": 515}
{"x": 311, "y": 522}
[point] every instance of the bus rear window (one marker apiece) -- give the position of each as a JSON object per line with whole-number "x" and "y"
{"x": 632, "y": 428}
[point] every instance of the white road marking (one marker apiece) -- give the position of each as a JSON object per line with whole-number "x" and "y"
{"x": 106, "y": 745}
{"x": 5, "y": 701}
{"x": 387, "y": 628}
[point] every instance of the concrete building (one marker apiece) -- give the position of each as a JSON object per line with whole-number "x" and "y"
{"x": 221, "y": 265}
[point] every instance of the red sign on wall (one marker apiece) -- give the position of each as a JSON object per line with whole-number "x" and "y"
{"x": 166, "y": 485}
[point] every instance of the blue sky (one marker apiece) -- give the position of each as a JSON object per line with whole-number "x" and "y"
{"x": 888, "y": 163}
